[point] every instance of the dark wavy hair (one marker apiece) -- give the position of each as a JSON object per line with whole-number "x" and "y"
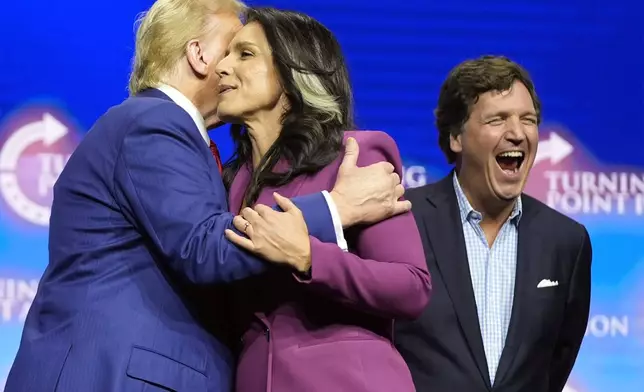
{"x": 312, "y": 71}
{"x": 463, "y": 87}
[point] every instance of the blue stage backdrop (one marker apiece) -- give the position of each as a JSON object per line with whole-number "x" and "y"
{"x": 62, "y": 66}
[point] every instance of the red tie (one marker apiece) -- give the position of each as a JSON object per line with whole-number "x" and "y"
{"x": 215, "y": 153}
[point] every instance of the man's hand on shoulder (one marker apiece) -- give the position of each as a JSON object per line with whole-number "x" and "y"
{"x": 366, "y": 195}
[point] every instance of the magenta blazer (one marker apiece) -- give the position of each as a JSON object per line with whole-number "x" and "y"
{"x": 333, "y": 332}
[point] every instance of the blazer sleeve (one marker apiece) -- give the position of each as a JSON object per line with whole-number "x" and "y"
{"x": 576, "y": 318}
{"x": 386, "y": 273}
{"x": 170, "y": 193}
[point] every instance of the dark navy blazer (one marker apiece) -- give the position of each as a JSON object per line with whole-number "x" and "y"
{"x": 137, "y": 222}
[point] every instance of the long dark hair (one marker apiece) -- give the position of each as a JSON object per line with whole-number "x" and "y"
{"x": 314, "y": 76}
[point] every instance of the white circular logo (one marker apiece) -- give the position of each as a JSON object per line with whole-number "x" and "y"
{"x": 34, "y": 152}
{"x": 414, "y": 176}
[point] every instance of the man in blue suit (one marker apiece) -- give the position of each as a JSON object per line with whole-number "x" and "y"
{"x": 138, "y": 222}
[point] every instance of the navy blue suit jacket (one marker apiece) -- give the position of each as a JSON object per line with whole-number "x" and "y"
{"x": 137, "y": 222}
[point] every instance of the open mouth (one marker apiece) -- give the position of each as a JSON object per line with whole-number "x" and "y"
{"x": 510, "y": 161}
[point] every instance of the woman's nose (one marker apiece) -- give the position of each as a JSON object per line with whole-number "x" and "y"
{"x": 222, "y": 68}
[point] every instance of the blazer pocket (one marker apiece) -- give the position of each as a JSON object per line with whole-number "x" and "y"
{"x": 158, "y": 369}
{"x": 341, "y": 338}
{"x": 550, "y": 293}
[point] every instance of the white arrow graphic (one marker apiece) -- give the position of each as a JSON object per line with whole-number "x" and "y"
{"x": 47, "y": 131}
{"x": 555, "y": 149}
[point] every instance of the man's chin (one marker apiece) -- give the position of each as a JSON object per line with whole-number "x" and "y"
{"x": 210, "y": 125}
{"x": 508, "y": 190}
{"x": 212, "y": 120}
{"x": 508, "y": 195}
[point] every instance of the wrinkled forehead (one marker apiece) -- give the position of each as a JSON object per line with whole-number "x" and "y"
{"x": 515, "y": 99}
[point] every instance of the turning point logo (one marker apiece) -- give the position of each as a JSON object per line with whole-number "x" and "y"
{"x": 36, "y": 143}
{"x": 571, "y": 181}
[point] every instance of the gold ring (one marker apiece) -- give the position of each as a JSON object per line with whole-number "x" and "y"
{"x": 246, "y": 226}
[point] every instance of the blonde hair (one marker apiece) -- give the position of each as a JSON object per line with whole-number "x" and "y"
{"x": 163, "y": 33}
{"x": 316, "y": 96}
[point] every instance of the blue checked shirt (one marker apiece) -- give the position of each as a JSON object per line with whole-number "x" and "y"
{"x": 492, "y": 270}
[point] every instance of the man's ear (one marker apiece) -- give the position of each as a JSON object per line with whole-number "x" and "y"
{"x": 196, "y": 58}
{"x": 455, "y": 143}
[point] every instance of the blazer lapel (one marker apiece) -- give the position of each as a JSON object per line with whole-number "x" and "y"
{"x": 242, "y": 180}
{"x": 289, "y": 190}
{"x": 528, "y": 251}
{"x": 236, "y": 197}
{"x": 238, "y": 188}
{"x": 446, "y": 235}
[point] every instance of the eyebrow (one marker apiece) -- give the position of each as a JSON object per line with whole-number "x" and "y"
{"x": 244, "y": 44}
{"x": 503, "y": 113}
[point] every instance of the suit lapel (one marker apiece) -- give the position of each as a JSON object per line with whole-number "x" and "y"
{"x": 446, "y": 235}
{"x": 529, "y": 246}
{"x": 289, "y": 190}
{"x": 238, "y": 192}
{"x": 238, "y": 189}
{"x": 242, "y": 181}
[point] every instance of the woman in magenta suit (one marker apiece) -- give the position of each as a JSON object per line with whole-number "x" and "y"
{"x": 285, "y": 87}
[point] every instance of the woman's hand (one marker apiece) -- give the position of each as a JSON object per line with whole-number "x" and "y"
{"x": 279, "y": 237}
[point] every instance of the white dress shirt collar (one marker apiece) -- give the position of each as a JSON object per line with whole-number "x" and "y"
{"x": 183, "y": 101}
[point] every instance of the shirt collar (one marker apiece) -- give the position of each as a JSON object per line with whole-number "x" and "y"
{"x": 466, "y": 211}
{"x": 177, "y": 97}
